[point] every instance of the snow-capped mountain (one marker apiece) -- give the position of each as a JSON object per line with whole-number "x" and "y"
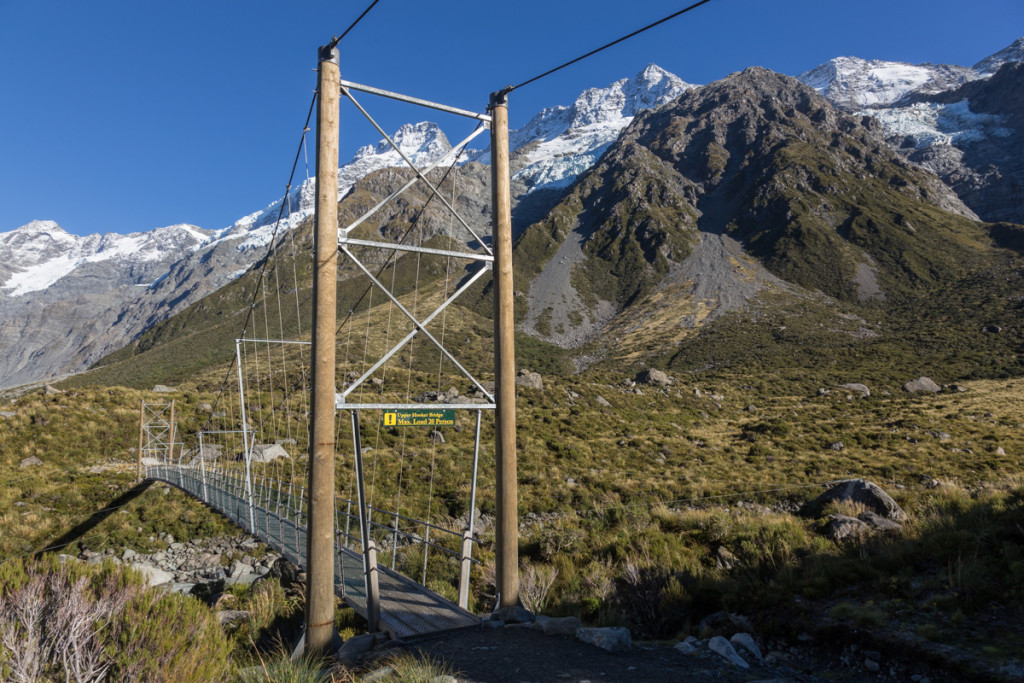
{"x": 35, "y": 256}
{"x": 851, "y": 83}
{"x": 960, "y": 123}
{"x": 87, "y": 293}
{"x": 1014, "y": 52}
{"x": 66, "y": 301}
{"x": 423, "y": 143}
{"x": 561, "y": 142}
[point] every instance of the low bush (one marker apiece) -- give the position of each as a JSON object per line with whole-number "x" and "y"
{"x": 97, "y": 622}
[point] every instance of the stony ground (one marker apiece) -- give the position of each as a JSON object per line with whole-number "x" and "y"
{"x": 521, "y": 654}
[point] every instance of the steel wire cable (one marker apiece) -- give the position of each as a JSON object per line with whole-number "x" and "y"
{"x": 334, "y": 41}
{"x": 607, "y": 45}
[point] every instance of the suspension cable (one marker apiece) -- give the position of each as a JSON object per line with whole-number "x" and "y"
{"x": 608, "y": 45}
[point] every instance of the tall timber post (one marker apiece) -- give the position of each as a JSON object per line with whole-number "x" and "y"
{"x": 506, "y": 490}
{"x": 320, "y": 598}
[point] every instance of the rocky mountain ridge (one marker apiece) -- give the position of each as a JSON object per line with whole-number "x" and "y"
{"x": 93, "y": 308}
{"x": 117, "y": 311}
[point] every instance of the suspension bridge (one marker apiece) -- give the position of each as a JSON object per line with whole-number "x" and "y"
{"x": 392, "y": 532}
{"x": 267, "y": 459}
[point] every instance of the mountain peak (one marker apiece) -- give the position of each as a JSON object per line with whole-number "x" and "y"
{"x": 853, "y": 83}
{"x": 39, "y": 227}
{"x": 565, "y": 140}
{"x": 1014, "y": 52}
{"x": 425, "y": 137}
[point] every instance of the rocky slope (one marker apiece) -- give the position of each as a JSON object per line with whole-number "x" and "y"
{"x": 748, "y": 185}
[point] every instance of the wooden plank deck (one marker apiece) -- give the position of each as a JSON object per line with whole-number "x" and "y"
{"x": 406, "y": 608}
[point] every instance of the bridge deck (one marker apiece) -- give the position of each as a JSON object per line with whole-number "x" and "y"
{"x": 406, "y": 607}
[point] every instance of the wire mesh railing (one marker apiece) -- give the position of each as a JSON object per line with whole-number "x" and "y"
{"x": 277, "y": 512}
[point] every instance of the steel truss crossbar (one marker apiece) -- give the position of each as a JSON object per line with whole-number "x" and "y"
{"x": 394, "y": 195}
{"x": 419, "y": 173}
{"x": 419, "y": 250}
{"x": 340, "y": 399}
{"x": 413, "y": 100}
{"x": 341, "y": 405}
{"x": 275, "y": 341}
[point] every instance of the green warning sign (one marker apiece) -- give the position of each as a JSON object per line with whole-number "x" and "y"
{"x": 419, "y": 417}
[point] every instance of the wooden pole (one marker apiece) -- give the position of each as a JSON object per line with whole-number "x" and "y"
{"x": 142, "y": 422}
{"x": 507, "y": 517}
{"x": 320, "y": 530}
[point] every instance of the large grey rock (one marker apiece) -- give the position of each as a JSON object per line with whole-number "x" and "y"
{"x": 163, "y": 389}
{"x": 653, "y": 376}
{"x": 612, "y": 639}
{"x": 857, "y": 491}
{"x": 725, "y": 559}
{"x": 529, "y": 379}
{"x": 230, "y": 617}
{"x": 842, "y": 528}
{"x": 268, "y": 452}
{"x": 31, "y": 461}
{"x": 152, "y": 576}
{"x": 745, "y": 641}
{"x": 877, "y": 522}
{"x": 921, "y": 384}
{"x": 238, "y": 568}
{"x": 858, "y": 387}
{"x": 723, "y": 647}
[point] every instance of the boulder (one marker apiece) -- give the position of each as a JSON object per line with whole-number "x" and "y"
{"x": 436, "y": 436}
{"x": 858, "y": 387}
{"x": 654, "y": 377}
{"x": 842, "y": 528}
{"x": 239, "y": 568}
{"x": 857, "y": 491}
{"x": 745, "y": 641}
{"x": 268, "y": 452}
{"x": 205, "y": 407}
{"x": 163, "y": 389}
{"x": 286, "y": 572}
{"x": 686, "y": 648}
{"x": 529, "y": 379}
{"x": 612, "y": 639}
{"x": 8, "y": 413}
{"x": 151, "y": 575}
{"x": 921, "y": 384}
{"x": 602, "y": 401}
{"x": 31, "y": 461}
{"x": 229, "y": 617}
{"x": 725, "y": 559}
{"x": 50, "y": 390}
{"x": 878, "y": 522}
{"x": 723, "y": 647}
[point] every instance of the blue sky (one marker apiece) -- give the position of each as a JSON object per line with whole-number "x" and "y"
{"x": 125, "y": 116}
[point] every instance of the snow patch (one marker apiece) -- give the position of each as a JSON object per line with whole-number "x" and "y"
{"x": 928, "y": 124}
